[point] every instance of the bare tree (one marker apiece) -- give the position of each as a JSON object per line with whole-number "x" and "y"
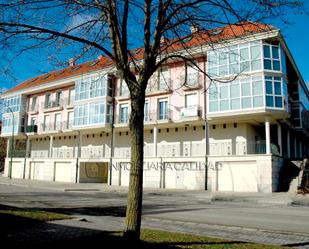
{"x": 116, "y": 28}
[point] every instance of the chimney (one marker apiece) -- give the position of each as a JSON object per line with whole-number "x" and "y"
{"x": 72, "y": 62}
{"x": 194, "y": 29}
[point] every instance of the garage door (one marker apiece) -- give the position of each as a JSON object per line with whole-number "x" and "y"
{"x": 37, "y": 170}
{"x": 63, "y": 172}
{"x": 17, "y": 170}
{"x": 237, "y": 176}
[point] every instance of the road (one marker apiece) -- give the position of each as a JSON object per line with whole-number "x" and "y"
{"x": 176, "y": 210}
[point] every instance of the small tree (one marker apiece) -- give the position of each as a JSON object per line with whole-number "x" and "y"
{"x": 115, "y": 28}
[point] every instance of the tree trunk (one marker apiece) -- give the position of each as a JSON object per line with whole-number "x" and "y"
{"x": 135, "y": 193}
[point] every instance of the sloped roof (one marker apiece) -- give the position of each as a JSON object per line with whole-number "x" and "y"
{"x": 199, "y": 38}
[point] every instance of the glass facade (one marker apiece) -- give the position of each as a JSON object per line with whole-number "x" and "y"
{"x": 7, "y": 124}
{"x": 236, "y": 59}
{"x": 273, "y": 92}
{"x": 239, "y": 94}
{"x": 91, "y": 87}
{"x": 12, "y": 104}
{"x": 251, "y": 91}
{"x": 92, "y": 113}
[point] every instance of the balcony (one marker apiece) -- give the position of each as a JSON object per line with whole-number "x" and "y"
{"x": 68, "y": 102}
{"x": 52, "y": 106}
{"x": 51, "y": 127}
{"x": 160, "y": 117}
{"x": 67, "y": 125}
{"x": 18, "y": 154}
{"x": 31, "y": 129}
{"x": 193, "y": 111}
{"x": 155, "y": 86}
{"x": 190, "y": 81}
{"x": 33, "y": 109}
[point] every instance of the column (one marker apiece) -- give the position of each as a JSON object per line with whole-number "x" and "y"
{"x": 279, "y": 138}
{"x": 155, "y": 140}
{"x": 50, "y": 154}
{"x": 267, "y": 136}
{"x": 288, "y": 144}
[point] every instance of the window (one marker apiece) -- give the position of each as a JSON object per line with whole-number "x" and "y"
{"x": 47, "y": 103}
{"x": 109, "y": 113}
{"x": 33, "y": 103}
{"x": 257, "y": 92}
{"x": 271, "y": 57}
{"x": 57, "y": 121}
{"x": 92, "y": 87}
{"x": 70, "y": 120}
{"x": 12, "y": 104}
{"x": 71, "y": 96}
{"x": 163, "y": 109}
{"x": 46, "y": 123}
{"x": 235, "y": 59}
{"x": 58, "y": 99}
{"x": 190, "y": 100}
{"x": 235, "y": 95}
{"x": 124, "y": 90}
{"x": 274, "y": 93}
{"x": 192, "y": 75}
{"x": 164, "y": 79}
{"x": 124, "y": 113}
{"x": 96, "y": 113}
{"x": 146, "y": 111}
{"x": 238, "y": 94}
{"x": 33, "y": 121}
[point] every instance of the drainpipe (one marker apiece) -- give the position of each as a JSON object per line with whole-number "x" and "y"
{"x": 112, "y": 133}
{"x": 206, "y": 128}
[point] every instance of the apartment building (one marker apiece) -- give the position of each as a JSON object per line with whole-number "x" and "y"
{"x": 244, "y": 118}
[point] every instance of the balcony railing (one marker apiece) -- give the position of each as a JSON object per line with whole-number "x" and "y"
{"x": 51, "y": 127}
{"x": 68, "y": 102}
{"x": 18, "y": 153}
{"x": 154, "y": 115}
{"x": 34, "y": 108}
{"x": 191, "y": 80}
{"x": 67, "y": 125}
{"x": 159, "y": 84}
{"x": 190, "y": 111}
{"x": 31, "y": 128}
{"x": 52, "y": 104}
{"x": 92, "y": 152}
{"x": 39, "y": 153}
{"x": 64, "y": 152}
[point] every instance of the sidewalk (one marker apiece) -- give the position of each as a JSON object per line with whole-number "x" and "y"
{"x": 199, "y": 195}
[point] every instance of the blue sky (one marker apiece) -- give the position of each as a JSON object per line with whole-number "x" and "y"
{"x": 296, "y": 35}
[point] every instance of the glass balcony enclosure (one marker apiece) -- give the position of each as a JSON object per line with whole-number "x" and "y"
{"x": 247, "y": 93}
{"x": 92, "y": 113}
{"x": 245, "y": 58}
{"x": 265, "y": 88}
{"x": 92, "y": 87}
{"x": 13, "y": 107}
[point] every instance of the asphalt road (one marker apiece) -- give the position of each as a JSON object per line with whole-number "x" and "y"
{"x": 164, "y": 205}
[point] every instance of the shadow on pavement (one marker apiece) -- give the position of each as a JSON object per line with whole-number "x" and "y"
{"x": 20, "y": 232}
